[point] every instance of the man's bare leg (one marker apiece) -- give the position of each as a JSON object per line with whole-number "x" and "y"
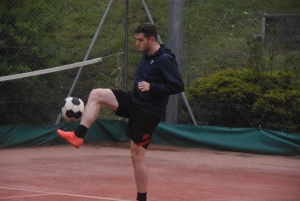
{"x": 97, "y": 98}
{"x": 140, "y": 170}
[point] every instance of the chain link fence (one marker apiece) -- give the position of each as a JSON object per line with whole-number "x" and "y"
{"x": 242, "y": 63}
{"x": 240, "y": 59}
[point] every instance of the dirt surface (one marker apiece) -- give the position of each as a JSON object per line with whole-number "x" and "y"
{"x": 103, "y": 171}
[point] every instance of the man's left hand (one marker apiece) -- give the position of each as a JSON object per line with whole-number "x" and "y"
{"x": 144, "y": 86}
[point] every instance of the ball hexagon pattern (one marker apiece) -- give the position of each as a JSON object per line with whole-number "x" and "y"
{"x": 72, "y": 109}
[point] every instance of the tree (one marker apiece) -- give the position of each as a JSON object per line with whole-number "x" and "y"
{"x": 21, "y": 52}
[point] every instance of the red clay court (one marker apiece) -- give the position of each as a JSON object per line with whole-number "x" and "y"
{"x": 103, "y": 171}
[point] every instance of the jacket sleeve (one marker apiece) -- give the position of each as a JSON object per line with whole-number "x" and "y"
{"x": 173, "y": 83}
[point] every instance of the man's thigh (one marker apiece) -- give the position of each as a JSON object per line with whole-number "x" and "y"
{"x": 106, "y": 97}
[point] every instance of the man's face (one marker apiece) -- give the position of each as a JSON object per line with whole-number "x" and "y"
{"x": 142, "y": 43}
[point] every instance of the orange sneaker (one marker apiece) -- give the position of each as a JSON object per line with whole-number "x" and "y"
{"x": 70, "y": 137}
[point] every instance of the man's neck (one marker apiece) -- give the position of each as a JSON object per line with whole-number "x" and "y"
{"x": 153, "y": 50}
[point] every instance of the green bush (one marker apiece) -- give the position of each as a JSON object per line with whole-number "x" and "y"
{"x": 240, "y": 98}
{"x": 278, "y": 109}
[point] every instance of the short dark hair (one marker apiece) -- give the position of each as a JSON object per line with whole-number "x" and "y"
{"x": 148, "y": 29}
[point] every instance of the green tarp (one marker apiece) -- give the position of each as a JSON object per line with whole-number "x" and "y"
{"x": 248, "y": 140}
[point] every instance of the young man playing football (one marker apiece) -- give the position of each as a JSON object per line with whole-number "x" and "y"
{"x": 156, "y": 78}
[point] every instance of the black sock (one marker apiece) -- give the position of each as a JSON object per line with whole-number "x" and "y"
{"x": 80, "y": 131}
{"x": 142, "y": 196}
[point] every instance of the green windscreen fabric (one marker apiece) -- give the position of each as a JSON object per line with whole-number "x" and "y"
{"x": 101, "y": 130}
{"x": 248, "y": 140}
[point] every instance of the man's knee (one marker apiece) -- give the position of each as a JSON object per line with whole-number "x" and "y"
{"x": 96, "y": 95}
{"x": 95, "y": 92}
{"x": 104, "y": 96}
{"x": 136, "y": 159}
{"x": 137, "y": 153}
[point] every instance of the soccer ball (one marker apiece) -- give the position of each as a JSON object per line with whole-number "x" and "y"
{"x": 72, "y": 109}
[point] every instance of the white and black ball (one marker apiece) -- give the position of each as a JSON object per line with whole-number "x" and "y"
{"x": 72, "y": 109}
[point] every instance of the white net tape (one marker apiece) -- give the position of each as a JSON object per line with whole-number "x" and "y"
{"x": 50, "y": 70}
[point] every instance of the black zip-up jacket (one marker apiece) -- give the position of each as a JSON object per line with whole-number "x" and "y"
{"x": 161, "y": 71}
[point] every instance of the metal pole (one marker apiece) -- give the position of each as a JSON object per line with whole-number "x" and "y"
{"x": 126, "y": 45}
{"x": 189, "y": 108}
{"x": 160, "y": 41}
{"x": 150, "y": 19}
{"x": 87, "y": 54}
{"x": 175, "y": 42}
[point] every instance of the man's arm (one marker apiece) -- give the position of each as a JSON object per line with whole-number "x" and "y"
{"x": 173, "y": 83}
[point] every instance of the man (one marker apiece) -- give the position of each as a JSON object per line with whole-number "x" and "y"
{"x": 156, "y": 78}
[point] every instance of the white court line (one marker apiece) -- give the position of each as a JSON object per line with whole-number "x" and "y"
{"x": 23, "y": 196}
{"x": 64, "y": 194}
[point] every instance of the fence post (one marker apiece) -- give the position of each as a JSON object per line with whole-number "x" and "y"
{"x": 175, "y": 42}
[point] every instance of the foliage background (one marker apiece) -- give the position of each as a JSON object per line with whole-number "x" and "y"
{"x": 231, "y": 79}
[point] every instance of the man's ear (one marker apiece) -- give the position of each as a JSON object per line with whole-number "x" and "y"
{"x": 152, "y": 39}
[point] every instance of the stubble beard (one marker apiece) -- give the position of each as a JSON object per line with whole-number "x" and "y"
{"x": 146, "y": 48}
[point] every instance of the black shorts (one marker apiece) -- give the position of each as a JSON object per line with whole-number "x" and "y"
{"x": 141, "y": 125}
